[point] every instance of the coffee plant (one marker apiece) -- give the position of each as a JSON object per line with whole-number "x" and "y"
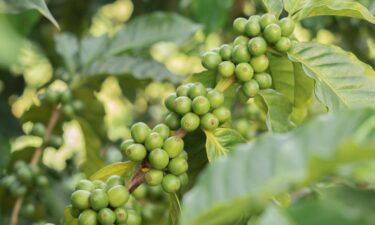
{"x": 270, "y": 129}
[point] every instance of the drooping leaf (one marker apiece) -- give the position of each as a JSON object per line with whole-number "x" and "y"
{"x": 221, "y": 141}
{"x": 68, "y": 47}
{"x": 273, "y": 6}
{"x": 139, "y": 67}
{"x": 347, "y": 8}
{"x": 213, "y": 14}
{"x": 148, "y": 29}
{"x": 119, "y": 168}
{"x": 174, "y": 209}
{"x": 251, "y": 175}
{"x": 17, "y": 6}
{"x": 278, "y": 108}
{"x": 341, "y": 80}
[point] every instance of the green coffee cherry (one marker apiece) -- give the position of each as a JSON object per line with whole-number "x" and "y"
{"x": 240, "y": 54}
{"x": 41, "y": 181}
{"x": 209, "y": 121}
{"x": 284, "y": 44}
{"x": 55, "y": 141}
{"x": 68, "y": 110}
{"x": 154, "y": 177}
{"x": 182, "y": 90}
{"x": 133, "y": 218}
{"x": 66, "y": 96}
{"x": 252, "y": 27}
{"x": 113, "y": 181}
{"x": 162, "y": 130}
{"x": 24, "y": 175}
{"x": 257, "y": 46}
{"x": 201, "y": 105}
{"x": 74, "y": 212}
{"x": 99, "y": 184}
{"x": 85, "y": 185}
{"x": 182, "y": 105}
{"x": 250, "y": 88}
{"x": 211, "y": 60}
{"x": 173, "y": 146}
{"x": 260, "y": 63}
{"x": 140, "y": 192}
{"x": 154, "y": 140}
{"x": 169, "y": 101}
{"x": 239, "y": 25}
{"x": 244, "y": 72}
{"x": 241, "y": 40}
{"x": 226, "y": 52}
{"x": 106, "y": 216}
{"x": 272, "y": 33}
{"x": 118, "y": 196}
{"x": 216, "y": 98}
{"x": 171, "y": 183}
{"x": 87, "y": 217}
{"x": 77, "y": 105}
{"x": 158, "y": 158}
{"x": 136, "y": 152}
{"x": 173, "y": 121}
{"x": 267, "y": 19}
{"x": 264, "y": 80}
{"x": 197, "y": 89}
{"x": 178, "y": 166}
{"x": 287, "y": 26}
{"x": 222, "y": 114}
{"x": 121, "y": 215}
{"x": 226, "y": 69}
{"x": 242, "y": 126}
{"x": 139, "y": 132}
{"x": 125, "y": 144}
{"x": 183, "y": 155}
{"x": 190, "y": 122}
{"x": 98, "y": 199}
{"x": 38, "y": 130}
{"x": 80, "y": 199}
{"x": 184, "y": 179}
{"x": 28, "y": 210}
{"x": 52, "y": 97}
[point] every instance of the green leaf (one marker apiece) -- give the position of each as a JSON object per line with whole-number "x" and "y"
{"x": 140, "y": 68}
{"x": 207, "y": 78}
{"x": 273, "y": 6}
{"x": 119, "y": 168}
{"x": 221, "y": 141}
{"x": 341, "y": 80}
{"x": 68, "y": 47}
{"x": 213, "y": 14}
{"x": 148, "y": 29}
{"x": 292, "y": 6}
{"x": 17, "y": 6}
{"x": 248, "y": 178}
{"x": 278, "y": 108}
{"x": 174, "y": 209}
{"x": 91, "y": 48}
{"x": 346, "y": 8}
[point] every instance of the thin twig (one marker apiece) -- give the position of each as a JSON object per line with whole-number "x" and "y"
{"x": 36, "y": 158}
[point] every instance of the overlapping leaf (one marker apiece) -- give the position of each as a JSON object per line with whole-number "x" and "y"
{"x": 120, "y": 168}
{"x": 273, "y": 6}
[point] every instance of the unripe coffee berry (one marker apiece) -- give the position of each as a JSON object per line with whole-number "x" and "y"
{"x": 257, "y": 46}
{"x": 85, "y": 185}
{"x": 136, "y": 152}
{"x": 106, "y": 216}
{"x": 154, "y": 140}
{"x": 267, "y": 19}
{"x": 182, "y": 105}
{"x": 240, "y": 54}
{"x": 133, "y": 218}
{"x": 272, "y": 33}
{"x": 98, "y": 199}
{"x": 284, "y": 44}
{"x": 260, "y": 63}
{"x": 226, "y": 52}
{"x": 264, "y": 80}
{"x": 121, "y": 215}
{"x": 178, "y": 166}
{"x": 154, "y": 177}
{"x": 252, "y": 27}
{"x": 66, "y": 96}
{"x": 239, "y": 25}
{"x": 201, "y": 105}
{"x": 171, "y": 183}
{"x": 87, "y": 217}
{"x": 169, "y": 101}
{"x": 287, "y": 26}
{"x": 173, "y": 146}
{"x": 197, "y": 89}
{"x": 226, "y": 68}
{"x": 211, "y": 60}
{"x": 190, "y": 122}
{"x": 244, "y": 72}
{"x": 184, "y": 179}
{"x": 158, "y": 158}
{"x": 250, "y": 88}
{"x": 216, "y": 98}
{"x": 80, "y": 199}
{"x": 68, "y": 110}
{"x": 38, "y": 129}
{"x": 241, "y": 40}
{"x": 125, "y": 144}
{"x": 118, "y": 196}
{"x": 222, "y": 114}
{"x": 162, "y": 130}
{"x": 113, "y": 181}
{"x": 139, "y": 132}
{"x": 209, "y": 121}
{"x": 172, "y": 120}
{"x": 182, "y": 90}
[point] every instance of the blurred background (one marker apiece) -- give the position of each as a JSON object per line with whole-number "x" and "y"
{"x": 121, "y": 58}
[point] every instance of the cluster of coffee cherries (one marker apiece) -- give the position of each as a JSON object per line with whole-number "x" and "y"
{"x": 23, "y": 179}
{"x": 54, "y": 140}
{"x": 105, "y": 203}
{"x": 68, "y": 105}
{"x": 193, "y": 106}
{"x": 247, "y": 59}
{"x": 164, "y": 154}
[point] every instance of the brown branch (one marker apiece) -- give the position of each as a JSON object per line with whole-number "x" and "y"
{"x": 36, "y": 158}
{"x": 139, "y": 176}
